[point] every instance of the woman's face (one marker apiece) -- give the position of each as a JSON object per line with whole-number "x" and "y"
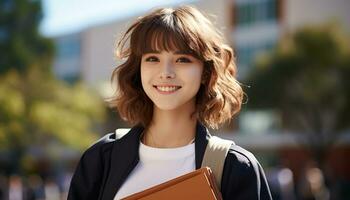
{"x": 171, "y": 79}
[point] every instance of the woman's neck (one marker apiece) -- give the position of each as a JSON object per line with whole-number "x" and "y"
{"x": 170, "y": 129}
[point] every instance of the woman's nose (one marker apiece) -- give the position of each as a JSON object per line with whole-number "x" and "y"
{"x": 167, "y": 71}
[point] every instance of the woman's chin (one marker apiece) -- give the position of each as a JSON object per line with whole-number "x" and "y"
{"x": 166, "y": 106}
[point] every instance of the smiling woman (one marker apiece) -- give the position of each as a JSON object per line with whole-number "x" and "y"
{"x": 171, "y": 80}
{"x": 188, "y": 33}
{"x": 178, "y": 78}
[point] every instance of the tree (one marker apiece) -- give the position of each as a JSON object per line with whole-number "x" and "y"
{"x": 36, "y": 109}
{"x": 21, "y": 44}
{"x": 306, "y": 78}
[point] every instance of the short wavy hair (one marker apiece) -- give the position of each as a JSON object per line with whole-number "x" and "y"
{"x": 185, "y": 29}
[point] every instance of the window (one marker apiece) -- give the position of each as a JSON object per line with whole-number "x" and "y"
{"x": 67, "y": 60}
{"x": 254, "y": 11}
{"x": 68, "y": 47}
{"x": 246, "y": 55}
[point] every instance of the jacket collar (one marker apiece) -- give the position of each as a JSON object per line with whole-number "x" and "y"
{"x": 125, "y": 156}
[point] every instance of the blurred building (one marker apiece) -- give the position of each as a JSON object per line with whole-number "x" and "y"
{"x": 251, "y": 26}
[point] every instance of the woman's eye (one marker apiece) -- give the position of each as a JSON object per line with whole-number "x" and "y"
{"x": 183, "y": 60}
{"x": 152, "y": 59}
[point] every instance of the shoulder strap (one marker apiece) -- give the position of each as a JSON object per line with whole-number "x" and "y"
{"x": 214, "y": 156}
{"x": 120, "y": 132}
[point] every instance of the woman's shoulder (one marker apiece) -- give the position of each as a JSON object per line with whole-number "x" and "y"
{"x": 105, "y": 142}
{"x": 101, "y": 149}
{"x": 243, "y": 162}
{"x": 244, "y": 174}
{"x": 241, "y": 156}
{"x": 87, "y": 177}
{"x": 236, "y": 154}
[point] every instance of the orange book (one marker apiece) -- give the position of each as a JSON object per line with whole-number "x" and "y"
{"x": 199, "y": 184}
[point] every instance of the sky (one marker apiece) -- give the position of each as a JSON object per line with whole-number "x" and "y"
{"x": 69, "y": 16}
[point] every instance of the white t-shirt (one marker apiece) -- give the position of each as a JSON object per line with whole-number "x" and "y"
{"x": 158, "y": 165}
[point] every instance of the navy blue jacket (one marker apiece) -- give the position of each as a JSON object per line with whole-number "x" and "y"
{"x": 104, "y": 167}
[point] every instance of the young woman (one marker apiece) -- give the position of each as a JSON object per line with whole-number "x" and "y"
{"x": 178, "y": 78}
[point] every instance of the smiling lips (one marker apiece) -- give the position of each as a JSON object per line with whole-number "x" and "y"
{"x": 166, "y": 89}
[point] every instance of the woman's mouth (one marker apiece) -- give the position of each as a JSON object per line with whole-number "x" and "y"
{"x": 166, "y": 89}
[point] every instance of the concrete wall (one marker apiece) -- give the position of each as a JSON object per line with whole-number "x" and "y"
{"x": 301, "y": 12}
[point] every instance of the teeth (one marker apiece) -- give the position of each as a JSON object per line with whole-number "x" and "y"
{"x": 167, "y": 89}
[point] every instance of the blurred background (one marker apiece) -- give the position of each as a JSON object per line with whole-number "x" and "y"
{"x": 293, "y": 57}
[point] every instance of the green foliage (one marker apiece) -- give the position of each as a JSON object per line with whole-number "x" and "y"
{"x": 307, "y": 79}
{"x": 35, "y": 109}
{"x": 21, "y": 45}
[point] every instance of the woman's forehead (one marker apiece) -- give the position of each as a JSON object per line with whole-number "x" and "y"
{"x": 172, "y": 51}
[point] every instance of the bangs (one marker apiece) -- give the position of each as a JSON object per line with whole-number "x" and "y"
{"x": 162, "y": 35}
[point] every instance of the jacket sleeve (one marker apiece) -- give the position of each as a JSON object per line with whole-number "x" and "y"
{"x": 87, "y": 178}
{"x": 243, "y": 177}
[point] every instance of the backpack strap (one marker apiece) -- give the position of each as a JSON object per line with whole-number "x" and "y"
{"x": 120, "y": 132}
{"x": 215, "y": 155}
